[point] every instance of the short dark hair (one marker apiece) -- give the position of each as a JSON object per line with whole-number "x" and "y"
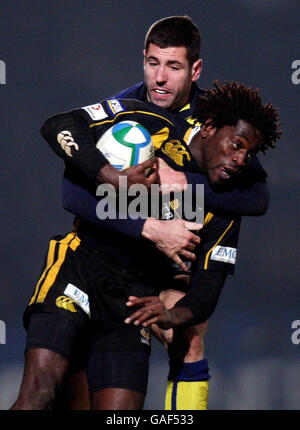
{"x": 176, "y": 31}
{"x": 227, "y": 103}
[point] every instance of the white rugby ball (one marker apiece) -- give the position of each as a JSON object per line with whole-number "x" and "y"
{"x": 126, "y": 144}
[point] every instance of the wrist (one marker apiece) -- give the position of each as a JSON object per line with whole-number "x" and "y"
{"x": 150, "y": 228}
{"x": 180, "y": 316}
{"x": 108, "y": 174}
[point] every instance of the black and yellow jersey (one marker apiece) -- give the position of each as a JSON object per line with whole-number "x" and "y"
{"x": 220, "y": 233}
{"x": 119, "y": 240}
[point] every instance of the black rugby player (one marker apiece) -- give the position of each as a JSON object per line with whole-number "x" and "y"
{"x": 171, "y": 69}
{"x": 88, "y": 262}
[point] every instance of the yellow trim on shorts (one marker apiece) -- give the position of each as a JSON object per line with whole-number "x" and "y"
{"x": 49, "y": 275}
{"x": 50, "y": 258}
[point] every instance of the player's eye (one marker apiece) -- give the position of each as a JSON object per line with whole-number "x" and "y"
{"x": 250, "y": 155}
{"x": 236, "y": 144}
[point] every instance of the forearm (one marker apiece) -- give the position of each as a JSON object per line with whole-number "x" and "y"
{"x": 202, "y": 297}
{"x": 179, "y": 317}
{"x": 194, "y": 308}
{"x": 81, "y": 202}
{"x": 78, "y": 148}
{"x": 250, "y": 200}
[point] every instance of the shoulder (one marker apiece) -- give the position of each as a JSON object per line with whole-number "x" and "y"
{"x": 136, "y": 91}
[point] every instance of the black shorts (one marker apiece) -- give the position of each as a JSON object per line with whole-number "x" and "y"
{"x": 118, "y": 369}
{"x": 78, "y": 285}
{"x": 112, "y": 369}
{"x": 61, "y": 335}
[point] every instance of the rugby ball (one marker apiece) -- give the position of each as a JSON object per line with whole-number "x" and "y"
{"x": 126, "y": 144}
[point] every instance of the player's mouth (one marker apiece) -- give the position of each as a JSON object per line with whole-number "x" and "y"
{"x": 160, "y": 93}
{"x": 227, "y": 172}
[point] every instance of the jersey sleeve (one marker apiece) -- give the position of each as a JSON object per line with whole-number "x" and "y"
{"x": 203, "y": 295}
{"x": 218, "y": 247}
{"x": 81, "y": 201}
{"x": 70, "y": 136}
{"x": 248, "y": 199}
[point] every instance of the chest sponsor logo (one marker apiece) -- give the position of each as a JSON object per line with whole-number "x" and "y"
{"x": 224, "y": 254}
{"x": 176, "y": 151}
{"x": 96, "y": 112}
{"x": 115, "y": 106}
{"x": 79, "y": 297}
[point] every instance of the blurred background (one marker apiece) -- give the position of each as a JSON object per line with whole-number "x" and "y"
{"x": 63, "y": 54}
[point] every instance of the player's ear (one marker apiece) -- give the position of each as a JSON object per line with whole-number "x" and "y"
{"x": 196, "y": 70}
{"x": 144, "y": 54}
{"x": 207, "y": 129}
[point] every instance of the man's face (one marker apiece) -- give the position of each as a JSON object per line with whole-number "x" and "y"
{"x": 222, "y": 153}
{"x": 168, "y": 75}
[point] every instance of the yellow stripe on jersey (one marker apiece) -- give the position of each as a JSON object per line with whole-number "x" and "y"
{"x": 185, "y": 107}
{"x": 187, "y": 134}
{"x": 128, "y": 112}
{"x": 160, "y": 136}
{"x": 208, "y": 218}
{"x": 218, "y": 241}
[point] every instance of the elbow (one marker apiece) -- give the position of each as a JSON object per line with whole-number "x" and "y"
{"x": 264, "y": 201}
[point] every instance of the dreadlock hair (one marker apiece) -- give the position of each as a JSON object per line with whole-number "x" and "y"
{"x": 227, "y": 103}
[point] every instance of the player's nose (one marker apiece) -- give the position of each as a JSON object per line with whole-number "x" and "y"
{"x": 161, "y": 75}
{"x": 239, "y": 158}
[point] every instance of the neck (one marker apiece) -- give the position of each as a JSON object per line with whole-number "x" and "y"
{"x": 196, "y": 149}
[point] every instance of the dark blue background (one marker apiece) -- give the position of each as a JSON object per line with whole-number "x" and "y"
{"x": 63, "y": 54}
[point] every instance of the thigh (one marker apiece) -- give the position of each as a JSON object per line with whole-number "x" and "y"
{"x": 117, "y": 399}
{"x": 74, "y": 392}
{"x": 43, "y": 375}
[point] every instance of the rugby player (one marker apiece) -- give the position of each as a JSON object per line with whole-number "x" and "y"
{"x": 93, "y": 261}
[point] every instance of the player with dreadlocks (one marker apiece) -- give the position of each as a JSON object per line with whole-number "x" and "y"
{"x": 235, "y": 126}
{"x": 105, "y": 268}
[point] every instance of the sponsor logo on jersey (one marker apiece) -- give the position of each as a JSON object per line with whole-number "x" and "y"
{"x": 115, "y": 106}
{"x": 176, "y": 151}
{"x": 65, "y": 303}
{"x": 96, "y": 112}
{"x": 79, "y": 297}
{"x": 224, "y": 254}
{"x": 146, "y": 336}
